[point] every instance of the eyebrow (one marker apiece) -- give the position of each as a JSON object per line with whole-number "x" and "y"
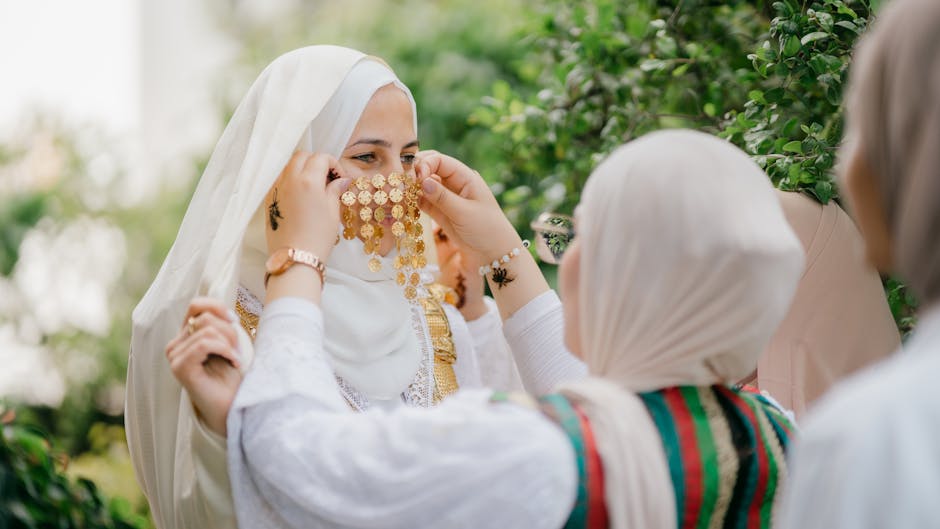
{"x": 382, "y": 143}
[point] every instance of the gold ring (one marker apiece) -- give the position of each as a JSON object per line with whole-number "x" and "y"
{"x": 191, "y": 324}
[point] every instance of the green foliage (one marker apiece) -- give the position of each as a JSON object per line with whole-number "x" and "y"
{"x": 35, "y": 493}
{"x": 17, "y": 215}
{"x": 603, "y": 72}
{"x": 792, "y": 121}
{"x": 769, "y": 77}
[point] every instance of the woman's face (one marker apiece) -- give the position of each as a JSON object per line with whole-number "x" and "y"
{"x": 384, "y": 142}
{"x": 569, "y": 287}
{"x": 864, "y": 200}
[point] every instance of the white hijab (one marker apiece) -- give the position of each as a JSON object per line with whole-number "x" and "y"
{"x": 369, "y": 334}
{"x": 687, "y": 267}
{"x": 310, "y": 98}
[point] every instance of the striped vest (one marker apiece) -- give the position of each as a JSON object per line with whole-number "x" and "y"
{"x": 724, "y": 448}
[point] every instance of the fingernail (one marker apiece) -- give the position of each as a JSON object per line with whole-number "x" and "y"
{"x": 429, "y": 185}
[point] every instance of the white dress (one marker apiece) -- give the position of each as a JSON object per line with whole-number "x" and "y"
{"x": 300, "y": 458}
{"x": 201, "y": 489}
{"x": 869, "y": 454}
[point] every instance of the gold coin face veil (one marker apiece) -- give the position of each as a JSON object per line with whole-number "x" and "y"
{"x": 381, "y": 204}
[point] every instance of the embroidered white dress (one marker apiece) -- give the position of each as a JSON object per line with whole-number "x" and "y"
{"x": 300, "y": 458}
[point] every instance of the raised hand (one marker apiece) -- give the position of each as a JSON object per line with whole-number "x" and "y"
{"x": 204, "y": 359}
{"x": 303, "y": 213}
{"x": 458, "y": 199}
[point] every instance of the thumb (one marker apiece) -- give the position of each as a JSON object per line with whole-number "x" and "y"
{"x": 337, "y": 187}
{"x": 444, "y": 200}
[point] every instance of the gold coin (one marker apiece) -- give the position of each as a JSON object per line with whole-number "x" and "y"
{"x": 397, "y": 211}
{"x": 348, "y": 198}
{"x": 399, "y": 262}
{"x": 422, "y": 261}
{"x": 394, "y": 179}
{"x": 380, "y": 197}
{"x": 379, "y": 214}
{"x": 366, "y": 231}
{"x": 417, "y": 229}
{"x": 379, "y": 232}
{"x": 410, "y": 293}
{"x": 378, "y": 181}
{"x": 414, "y": 261}
{"x": 348, "y": 214}
{"x": 349, "y": 233}
{"x": 369, "y": 246}
{"x": 374, "y": 264}
{"x": 362, "y": 183}
{"x": 398, "y": 229}
{"x": 396, "y": 195}
{"x": 415, "y": 278}
{"x": 365, "y": 197}
{"x": 419, "y": 246}
{"x": 400, "y": 278}
{"x": 365, "y": 213}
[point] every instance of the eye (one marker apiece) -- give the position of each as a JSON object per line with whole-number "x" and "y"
{"x": 365, "y": 157}
{"x": 408, "y": 158}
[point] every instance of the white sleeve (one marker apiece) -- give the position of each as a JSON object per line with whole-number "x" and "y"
{"x": 535, "y": 334}
{"x": 300, "y": 458}
{"x": 497, "y": 366}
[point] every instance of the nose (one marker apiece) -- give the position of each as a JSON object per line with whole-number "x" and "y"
{"x": 394, "y": 166}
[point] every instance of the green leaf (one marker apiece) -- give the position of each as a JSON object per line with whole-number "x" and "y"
{"x": 813, "y": 37}
{"x": 848, "y": 25}
{"x": 792, "y": 46}
{"x": 794, "y": 146}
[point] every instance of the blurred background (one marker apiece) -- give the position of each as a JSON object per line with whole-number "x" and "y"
{"x": 109, "y": 110}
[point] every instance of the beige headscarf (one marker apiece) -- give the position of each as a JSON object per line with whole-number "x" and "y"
{"x": 687, "y": 267}
{"x": 839, "y": 321}
{"x": 894, "y": 111}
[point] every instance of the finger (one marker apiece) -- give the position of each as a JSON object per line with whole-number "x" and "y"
{"x": 203, "y": 334}
{"x": 453, "y": 173}
{"x": 337, "y": 187}
{"x": 443, "y": 199}
{"x": 226, "y": 328}
{"x": 318, "y": 168}
{"x": 205, "y": 304}
{"x": 194, "y": 356}
{"x": 296, "y": 163}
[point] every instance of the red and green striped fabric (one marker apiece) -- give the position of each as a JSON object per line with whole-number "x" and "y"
{"x": 725, "y": 450}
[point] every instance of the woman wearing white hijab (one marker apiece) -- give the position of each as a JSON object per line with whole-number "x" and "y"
{"x": 384, "y": 350}
{"x": 682, "y": 268}
{"x": 869, "y": 453}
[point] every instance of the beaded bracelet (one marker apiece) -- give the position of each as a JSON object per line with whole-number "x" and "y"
{"x": 497, "y": 264}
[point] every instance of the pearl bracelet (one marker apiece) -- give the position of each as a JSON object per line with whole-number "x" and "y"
{"x": 486, "y": 269}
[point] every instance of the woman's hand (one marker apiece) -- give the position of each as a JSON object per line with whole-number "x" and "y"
{"x": 458, "y": 199}
{"x": 204, "y": 359}
{"x": 303, "y": 213}
{"x": 461, "y": 203}
{"x": 303, "y": 204}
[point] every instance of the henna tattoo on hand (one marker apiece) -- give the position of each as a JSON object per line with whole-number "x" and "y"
{"x": 501, "y": 277}
{"x": 274, "y": 212}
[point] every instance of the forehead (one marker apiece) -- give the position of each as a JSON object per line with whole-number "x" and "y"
{"x": 389, "y": 112}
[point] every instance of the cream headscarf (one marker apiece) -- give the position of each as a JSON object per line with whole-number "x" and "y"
{"x": 310, "y": 98}
{"x": 894, "y": 111}
{"x": 687, "y": 267}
